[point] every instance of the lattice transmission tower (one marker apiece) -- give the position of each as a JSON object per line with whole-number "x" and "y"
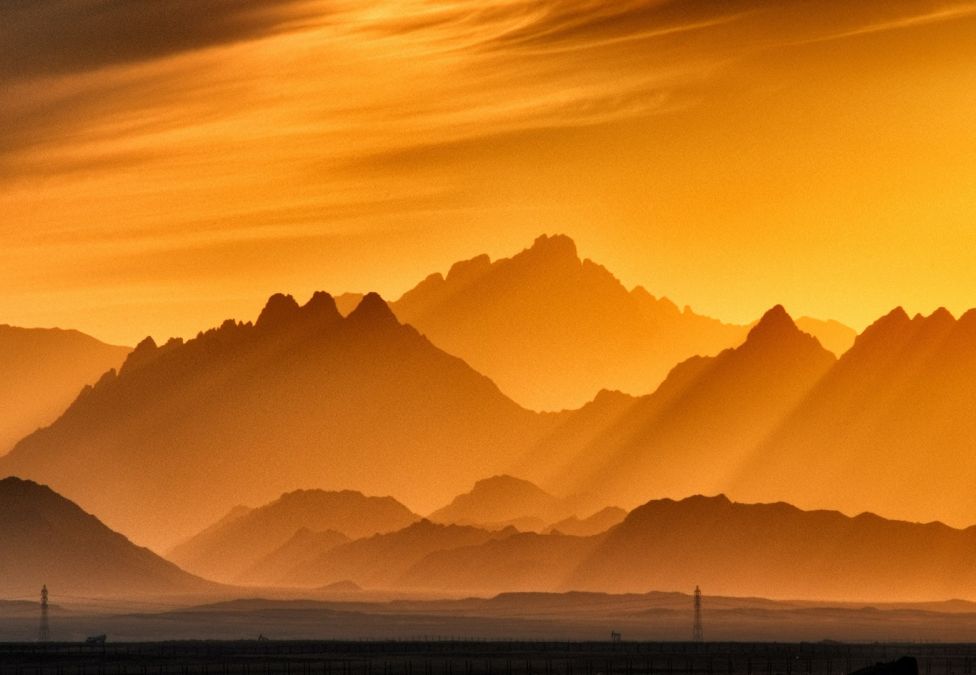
{"x": 697, "y": 632}
{"x": 45, "y": 632}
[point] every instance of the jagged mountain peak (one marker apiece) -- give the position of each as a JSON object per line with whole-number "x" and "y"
{"x": 280, "y": 309}
{"x": 465, "y": 271}
{"x": 373, "y": 310}
{"x": 322, "y": 307}
{"x": 556, "y": 245}
{"x": 774, "y": 323}
{"x": 941, "y": 315}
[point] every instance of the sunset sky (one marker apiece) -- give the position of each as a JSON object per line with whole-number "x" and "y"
{"x": 166, "y": 164}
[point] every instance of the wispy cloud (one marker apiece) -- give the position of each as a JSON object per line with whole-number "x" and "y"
{"x": 148, "y": 125}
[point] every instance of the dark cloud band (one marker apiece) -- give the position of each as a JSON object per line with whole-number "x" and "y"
{"x": 39, "y": 37}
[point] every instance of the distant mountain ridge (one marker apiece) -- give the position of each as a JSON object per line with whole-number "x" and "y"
{"x": 48, "y": 540}
{"x": 552, "y": 329}
{"x": 43, "y": 370}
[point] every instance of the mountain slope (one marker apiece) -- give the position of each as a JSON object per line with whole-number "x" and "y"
{"x": 599, "y": 522}
{"x": 833, "y": 335}
{"x": 503, "y": 499}
{"x": 891, "y": 428}
{"x": 551, "y": 329}
{"x": 50, "y": 540}
{"x": 43, "y": 371}
{"x": 228, "y": 550}
{"x": 246, "y": 412}
{"x": 304, "y": 546}
{"x": 695, "y": 431}
{"x": 381, "y": 560}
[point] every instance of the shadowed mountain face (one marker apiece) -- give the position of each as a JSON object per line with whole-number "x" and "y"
{"x": 304, "y": 546}
{"x": 777, "y": 550}
{"x": 246, "y": 412}
{"x": 771, "y": 550}
{"x": 502, "y": 500}
{"x": 891, "y": 427}
{"x": 47, "y": 539}
{"x": 232, "y": 547}
{"x": 43, "y": 371}
{"x": 695, "y": 431}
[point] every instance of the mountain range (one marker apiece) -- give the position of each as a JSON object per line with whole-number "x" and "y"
{"x": 770, "y": 550}
{"x": 235, "y": 545}
{"x": 246, "y": 412}
{"x": 305, "y": 397}
{"x": 44, "y": 369}
{"x": 48, "y": 540}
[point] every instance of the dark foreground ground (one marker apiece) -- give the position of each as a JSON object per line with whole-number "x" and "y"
{"x": 269, "y": 657}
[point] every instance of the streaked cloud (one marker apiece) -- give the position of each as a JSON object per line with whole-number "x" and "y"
{"x": 136, "y": 126}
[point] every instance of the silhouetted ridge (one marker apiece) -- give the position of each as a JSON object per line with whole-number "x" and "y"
{"x": 279, "y": 310}
{"x": 373, "y": 310}
{"x": 147, "y": 352}
{"x": 891, "y": 323}
{"x": 967, "y": 320}
{"x": 556, "y": 243}
{"x": 466, "y": 271}
{"x": 556, "y": 248}
{"x": 774, "y": 324}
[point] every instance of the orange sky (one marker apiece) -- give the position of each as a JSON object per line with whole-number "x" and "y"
{"x": 166, "y": 165}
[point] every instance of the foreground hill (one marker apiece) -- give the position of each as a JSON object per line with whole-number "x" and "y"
{"x": 228, "y": 549}
{"x": 696, "y": 430}
{"x": 890, "y": 428}
{"x": 47, "y": 539}
{"x": 245, "y": 412}
{"x": 42, "y": 372}
{"x": 501, "y": 500}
